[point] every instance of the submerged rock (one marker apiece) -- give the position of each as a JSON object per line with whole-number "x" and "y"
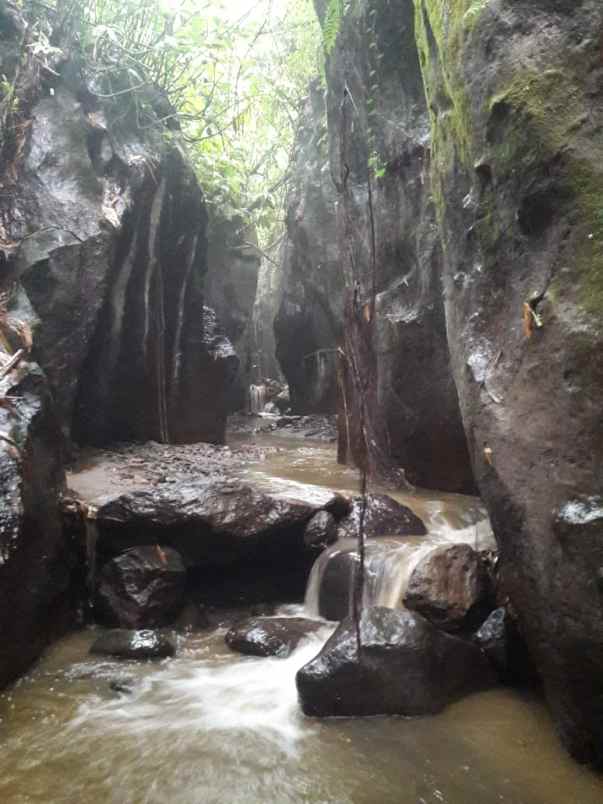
{"x": 144, "y": 587}
{"x": 450, "y": 587}
{"x": 406, "y": 667}
{"x": 270, "y": 636}
{"x": 384, "y": 517}
{"x": 128, "y": 644}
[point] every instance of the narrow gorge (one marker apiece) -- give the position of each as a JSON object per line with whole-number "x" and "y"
{"x": 300, "y": 418}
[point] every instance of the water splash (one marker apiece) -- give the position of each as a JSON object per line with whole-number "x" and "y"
{"x": 225, "y": 694}
{"x": 257, "y": 398}
{"x": 389, "y": 564}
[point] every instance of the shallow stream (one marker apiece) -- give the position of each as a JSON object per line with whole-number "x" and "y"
{"x": 210, "y": 726}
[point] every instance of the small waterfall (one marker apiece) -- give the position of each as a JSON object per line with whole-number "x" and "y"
{"x": 388, "y": 567}
{"x": 257, "y": 398}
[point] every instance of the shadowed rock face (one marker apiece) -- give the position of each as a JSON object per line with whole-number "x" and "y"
{"x": 516, "y": 100}
{"x": 113, "y": 265}
{"x": 406, "y": 667}
{"x": 103, "y": 254}
{"x": 231, "y": 285}
{"x": 486, "y": 210}
{"x": 35, "y": 555}
{"x": 388, "y": 245}
{"x": 308, "y": 324}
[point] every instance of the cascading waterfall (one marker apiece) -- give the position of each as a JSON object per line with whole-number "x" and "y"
{"x": 389, "y": 564}
{"x": 257, "y": 398}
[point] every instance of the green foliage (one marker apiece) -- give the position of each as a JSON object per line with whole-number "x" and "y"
{"x": 332, "y": 24}
{"x": 235, "y": 76}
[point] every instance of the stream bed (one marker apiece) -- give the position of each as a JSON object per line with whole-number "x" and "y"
{"x": 211, "y": 726}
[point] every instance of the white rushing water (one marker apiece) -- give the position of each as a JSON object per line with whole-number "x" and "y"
{"x": 257, "y": 398}
{"x": 224, "y": 694}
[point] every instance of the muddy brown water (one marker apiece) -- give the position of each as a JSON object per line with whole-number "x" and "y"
{"x": 210, "y": 726}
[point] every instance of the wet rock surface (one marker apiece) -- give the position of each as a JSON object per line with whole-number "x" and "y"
{"x": 132, "y": 644}
{"x": 450, "y": 587}
{"x": 112, "y": 262}
{"x": 406, "y": 667}
{"x": 309, "y": 316}
{"x": 337, "y": 585}
{"x": 190, "y": 499}
{"x": 144, "y": 587}
{"x": 394, "y": 325}
{"x": 230, "y": 288}
{"x": 384, "y": 516}
{"x": 321, "y": 530}
{"x": 270, "y": 636}
{"x": 500, "y": 640}
{"x": 217, "y": 522}
{"x": 522, "y": 234}
{"x": 321, "y": 428}
{"x": 98, "y": 473}
{"x": 37, "y": 559}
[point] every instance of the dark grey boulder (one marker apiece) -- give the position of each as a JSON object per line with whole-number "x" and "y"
{"x": 450, "y": 587}
{"x": 270, "y": 636}
{"x": 501, "y": 642}
{"x": 131, "y": 644}
{"x": 384, "y": 517}
{"x": 406, "y": 667}
{"x": 321, "y": 530}
{"x": 144, "y": 587}
{"x": 217, "y": 523}
{"x": 337, "y": 583}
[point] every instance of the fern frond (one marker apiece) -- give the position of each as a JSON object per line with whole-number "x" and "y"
{"x": 332, "y": 24}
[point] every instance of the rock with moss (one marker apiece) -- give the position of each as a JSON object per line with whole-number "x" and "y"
{"x": 516, "y": 111}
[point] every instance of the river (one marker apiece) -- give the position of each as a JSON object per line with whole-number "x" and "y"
{"x": 210, "y": 726}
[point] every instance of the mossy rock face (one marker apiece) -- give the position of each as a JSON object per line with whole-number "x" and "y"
{"x": 516, "y": 111}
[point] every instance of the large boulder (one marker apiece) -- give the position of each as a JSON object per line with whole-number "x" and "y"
{"x": 383, "y": 517}
{"x": 215, "y": 523}
{"x": 450, "y": 587}
{"x": 144, "y": 587}
{"x": 516, "y": 108}
{"x": 405, "y": 667}
{"x": 270, "y": 636}
{"x": 127, "y": 644}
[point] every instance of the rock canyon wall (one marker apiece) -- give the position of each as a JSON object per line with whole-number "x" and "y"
{"x": 466, "y": 146}
{"x": 104, "y": 332}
